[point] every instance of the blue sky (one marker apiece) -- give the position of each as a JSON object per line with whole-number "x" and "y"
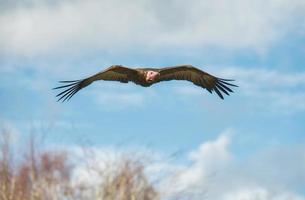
{"x": 259, "y": 44}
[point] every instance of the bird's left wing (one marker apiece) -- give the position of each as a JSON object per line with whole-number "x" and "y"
{"x": 197, "y": 77}
{"x": 113, "y": 73}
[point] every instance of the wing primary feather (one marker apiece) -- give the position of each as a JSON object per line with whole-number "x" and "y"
{"x": 210, "y": 91}
{"x": 225, "y": 87}
{"x": 218, "y": 92}
{"x": 222, "y": 89}
{"x": 64, "y": 95}
{"x": 228, "y": 83}
{"x": 65, "y": 91}
{"x": 69, "y": 81}
{"x": 72, "y": 94}
{"x": 68, "y": 92}
{"x": 223, "y": 79}
{"x": 64, "y": 86}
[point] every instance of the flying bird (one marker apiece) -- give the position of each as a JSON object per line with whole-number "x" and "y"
{"x": 148, "y": 76}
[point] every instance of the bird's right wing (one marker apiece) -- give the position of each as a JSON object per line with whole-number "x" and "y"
{"x": 113, "y": 73}
{"x": 197, "y": 77}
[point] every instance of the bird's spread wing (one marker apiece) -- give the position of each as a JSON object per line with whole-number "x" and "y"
{"x": 113, "y": 73}
{"x": 198, "y": 77}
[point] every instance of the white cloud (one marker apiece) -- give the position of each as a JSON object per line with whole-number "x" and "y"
{"x": 208, "y": 159}
{"x": 215, "y": 173}
{"x": 80, "y": 26}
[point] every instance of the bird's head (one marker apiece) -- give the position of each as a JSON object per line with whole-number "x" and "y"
{"x": 151, "y": 76}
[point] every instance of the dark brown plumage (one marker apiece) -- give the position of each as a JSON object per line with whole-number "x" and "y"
{"x": 149, "y": 76}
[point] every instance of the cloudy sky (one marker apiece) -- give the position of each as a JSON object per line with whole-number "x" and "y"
{"x": 254, "y": 139}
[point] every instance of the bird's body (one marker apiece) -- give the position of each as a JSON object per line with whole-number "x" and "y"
{"x": 141, "y": 78}
{"x": 148, "y": 76}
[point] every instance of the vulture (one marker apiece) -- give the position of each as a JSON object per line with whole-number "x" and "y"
{"x": 148, "y": 76}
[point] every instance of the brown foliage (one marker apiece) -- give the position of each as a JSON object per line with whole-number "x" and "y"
{"x": 46, "y": 175}
{"x": 128, "y": 182}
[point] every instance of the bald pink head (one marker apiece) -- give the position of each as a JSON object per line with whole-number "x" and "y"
{"x": 151, "y": 76}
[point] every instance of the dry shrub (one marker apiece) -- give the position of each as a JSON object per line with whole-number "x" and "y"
{"x": 40, "y": 176}
{"x": 46, "y": 175}
{"x": 127, "y": 182}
